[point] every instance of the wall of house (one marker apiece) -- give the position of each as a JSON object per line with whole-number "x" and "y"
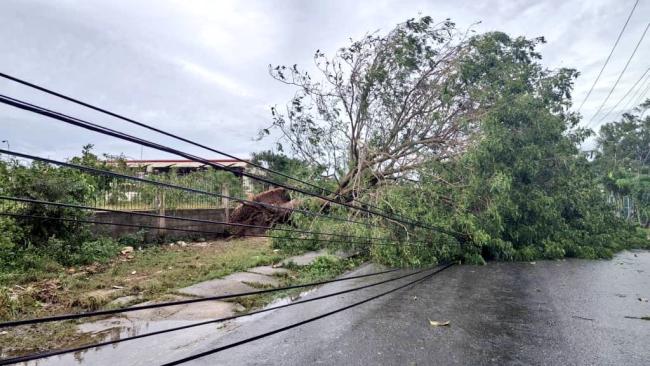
{"x": 212, "y": 231}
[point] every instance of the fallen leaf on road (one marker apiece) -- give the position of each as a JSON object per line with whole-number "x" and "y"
{"x": 438, "y": 324}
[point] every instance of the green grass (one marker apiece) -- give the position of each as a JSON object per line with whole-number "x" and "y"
{"x": 159, "y": 271}
{"x": 152, "y": 273}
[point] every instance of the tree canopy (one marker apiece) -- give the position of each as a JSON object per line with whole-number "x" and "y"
{"x": 504, "y": 172}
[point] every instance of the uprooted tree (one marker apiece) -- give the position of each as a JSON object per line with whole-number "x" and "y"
{"x": 380, "y": 107}
{"x": 471, "y": 134}
{"x": 386, "y": 105}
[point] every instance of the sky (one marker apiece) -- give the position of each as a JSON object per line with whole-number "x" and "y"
{"x": 199, "y": 68}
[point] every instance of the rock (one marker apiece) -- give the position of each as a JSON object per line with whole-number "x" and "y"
{"x": 71, "y": 270}
{"x": 126, "y": 250}
{"x": 134, "y": 272}
{"x": 181, "y": 243}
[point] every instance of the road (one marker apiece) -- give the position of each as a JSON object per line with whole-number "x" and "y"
{"x": 544, "y": 313}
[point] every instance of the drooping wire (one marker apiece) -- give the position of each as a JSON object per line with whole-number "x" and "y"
{"x": 323, "y": 191}
{"x": 609, "y": 56}
{"x": 212, "y": 321}
{"x": 204, "y": 221}
{"x": 139, "y": 226}
{"x": 182, "y": 188}
{"x": 306, "y": 321}
{"x": 56, "y": 318}
{"x": 107, "y": 131}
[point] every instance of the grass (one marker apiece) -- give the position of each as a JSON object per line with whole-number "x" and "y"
{"x": 151, "y": 274}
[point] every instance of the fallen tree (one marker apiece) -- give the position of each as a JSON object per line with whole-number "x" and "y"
{"x": 264, "y": 209}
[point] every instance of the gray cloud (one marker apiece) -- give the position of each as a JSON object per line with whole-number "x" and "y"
{"x": 199, "y": 68}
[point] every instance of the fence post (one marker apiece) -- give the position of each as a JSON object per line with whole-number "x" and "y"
{"x": 161, "y": 212}
{"x": 226, "y": 201}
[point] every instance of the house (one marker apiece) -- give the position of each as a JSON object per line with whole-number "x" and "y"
{"x": 182, "y": 167}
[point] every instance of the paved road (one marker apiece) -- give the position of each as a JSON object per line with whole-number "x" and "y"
{"x": 548, "y": 313}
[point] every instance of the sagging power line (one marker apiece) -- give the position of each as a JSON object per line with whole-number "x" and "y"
{"x": 108, "y": 173}
{"x": 306, "y": 321}
{"x": 110, "y": 132}
{"x": 323, "y": 191}
{"x": 212, "y": 321}
{"x": 204, "y": 221}
{"x": 161, "y": 228}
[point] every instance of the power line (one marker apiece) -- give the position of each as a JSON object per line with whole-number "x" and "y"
{"x": 609, "y": 56}
{"x": 177, "y": 187}
{"x": 107, "y": 131}
{"x": 294, "y": 325}
{"x": 146, "y": 214}
{"x": 620, "y": 75}
{"x": 57, "y": 318}
{"x": 637, "y": 92}
{"x": 625, "y": 96}
{"x": 94, "y": 222}
{"x": 212, "y": 321}
{"x": 151, "y": 128}
{"x": 641, "y": 97}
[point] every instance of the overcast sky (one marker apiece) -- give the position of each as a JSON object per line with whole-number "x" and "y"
{"x": 199, "y": 68}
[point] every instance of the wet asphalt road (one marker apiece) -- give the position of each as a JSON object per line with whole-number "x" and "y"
{"x": 549, "y": 313}
{"x": 502, "y": 313}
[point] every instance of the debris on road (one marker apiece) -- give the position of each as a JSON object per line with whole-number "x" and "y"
{"x": 126, "y": 250}
{"x": 438, "y": 324}
{"x": 643, "y": 299}
{"x": 639, "y": 317}
{"x": 583, "y": 318}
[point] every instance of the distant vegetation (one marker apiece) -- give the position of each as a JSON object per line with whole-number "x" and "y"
{"x": 31, "y": 242}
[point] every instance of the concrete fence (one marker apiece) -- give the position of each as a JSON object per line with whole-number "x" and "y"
{"x": 153, "y": 235}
